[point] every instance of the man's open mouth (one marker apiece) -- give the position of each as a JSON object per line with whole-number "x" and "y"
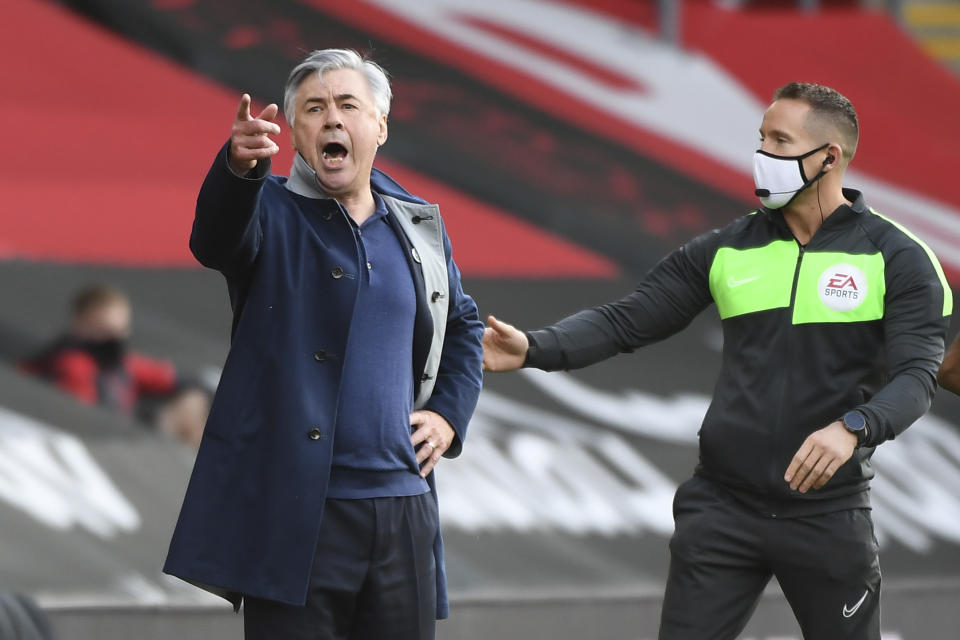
{"x": 333, "y": 153}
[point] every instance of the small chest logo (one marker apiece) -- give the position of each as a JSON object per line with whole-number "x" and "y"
{"x": 842, "y": 287}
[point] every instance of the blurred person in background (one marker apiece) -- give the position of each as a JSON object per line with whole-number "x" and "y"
{"x": 833, "y": 321}
{"x": 92, "y": 361}
{"x": 184, "y": 414}
{"x": 355, "y": 364}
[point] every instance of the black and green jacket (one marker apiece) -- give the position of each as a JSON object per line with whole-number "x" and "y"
{"x": 853, "y": 320}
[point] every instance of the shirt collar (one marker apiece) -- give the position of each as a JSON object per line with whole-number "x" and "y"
{"x": 380, "y": 207}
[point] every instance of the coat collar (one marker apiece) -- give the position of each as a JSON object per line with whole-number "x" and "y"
{"x": 841, "y": 216}
{"x": 303, "y": 180}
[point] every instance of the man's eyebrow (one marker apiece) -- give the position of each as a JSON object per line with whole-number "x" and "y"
{"x": 776, "y": 132}
{"x": 343, "y": 97}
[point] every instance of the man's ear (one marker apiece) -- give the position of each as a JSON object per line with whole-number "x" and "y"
{"x": 382, "y": 137}
{"x": 834, "y": 157}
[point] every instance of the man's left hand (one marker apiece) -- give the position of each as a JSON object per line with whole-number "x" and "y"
{"x": 432, "y": 436}
{"x": 819, "y": 457}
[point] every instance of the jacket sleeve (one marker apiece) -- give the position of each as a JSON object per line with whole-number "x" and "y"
{"x": 917, "y": 308}
{"x": 226, "y": 231}
{"x": 664, "y": 302}
{"x": 459, "y": 376}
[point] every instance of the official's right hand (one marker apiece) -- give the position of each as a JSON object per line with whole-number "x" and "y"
{"x": 249, "y": 137}
{"x": 504, "y": 346}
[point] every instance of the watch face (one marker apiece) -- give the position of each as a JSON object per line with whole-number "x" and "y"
{"x": 854, "y": 421}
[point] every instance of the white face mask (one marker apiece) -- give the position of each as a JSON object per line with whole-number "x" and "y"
{"x": 780, "y": 178}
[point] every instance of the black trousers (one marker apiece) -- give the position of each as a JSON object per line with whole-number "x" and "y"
{"x": 373, "y": 577}
{"x": 724, "y": 553}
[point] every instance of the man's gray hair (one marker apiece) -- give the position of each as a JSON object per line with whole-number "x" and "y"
{"x": 324, "y": 60}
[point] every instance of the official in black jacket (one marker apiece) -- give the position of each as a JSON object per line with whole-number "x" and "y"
{"x": 834, "y": 320}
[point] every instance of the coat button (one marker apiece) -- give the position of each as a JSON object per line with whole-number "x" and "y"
{"x": 320, "y": 356}
{"x": 328, "y": 216}
{"x": 436, "y": 295}
{"x": 337, "y": 273}
{"x": 415, "y": 254}
{"x": 314, "y": 434}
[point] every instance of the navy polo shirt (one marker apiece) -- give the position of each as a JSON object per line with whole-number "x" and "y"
{"x": 372, "y": 453}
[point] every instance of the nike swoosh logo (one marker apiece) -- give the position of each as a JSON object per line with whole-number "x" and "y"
{"x": 848, "y": 612}
{"x": 733, "y": 282}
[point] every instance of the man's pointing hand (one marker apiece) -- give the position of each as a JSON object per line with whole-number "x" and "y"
{"x": 249, "y": 137}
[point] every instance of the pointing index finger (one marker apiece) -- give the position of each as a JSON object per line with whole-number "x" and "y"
{"x": 243, "y": 111}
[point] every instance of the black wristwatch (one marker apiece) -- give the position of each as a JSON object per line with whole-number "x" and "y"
{"x": 857, "y": 425}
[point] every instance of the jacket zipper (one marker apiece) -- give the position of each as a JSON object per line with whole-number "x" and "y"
{"x": 796, "y": 278}
{"x": 777, "y": 474}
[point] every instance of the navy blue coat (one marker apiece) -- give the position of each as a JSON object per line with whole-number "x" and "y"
{"x": 251, "y": 515}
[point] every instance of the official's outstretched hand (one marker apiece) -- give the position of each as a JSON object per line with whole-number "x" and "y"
{"x": 504, "y": 346}
{"x": 249, "y": 137}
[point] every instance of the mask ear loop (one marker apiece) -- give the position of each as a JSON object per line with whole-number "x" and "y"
{"x": 819, "y": 206}
{"x": 822, "y": 172}
{"x": 803, "y": 175}
{"x": 800, "y": 159}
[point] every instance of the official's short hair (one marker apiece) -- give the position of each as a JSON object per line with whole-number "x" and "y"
{"x": 324, "y": 60}
{"x": 829, "y": 106}
{"x": 97, "y": 296}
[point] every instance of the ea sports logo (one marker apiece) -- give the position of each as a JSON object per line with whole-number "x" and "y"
{"x": 842, "y": 287}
